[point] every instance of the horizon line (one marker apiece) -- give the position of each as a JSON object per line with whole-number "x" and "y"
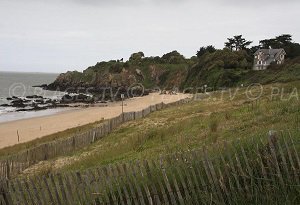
{"x": 37, "y": 72}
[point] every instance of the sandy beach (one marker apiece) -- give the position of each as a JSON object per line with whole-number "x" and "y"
{"x": 30, "y": 129}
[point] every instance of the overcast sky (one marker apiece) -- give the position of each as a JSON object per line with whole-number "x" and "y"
{"x": 61, "y": 35}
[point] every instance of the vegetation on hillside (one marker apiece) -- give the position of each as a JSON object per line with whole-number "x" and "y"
{"x": 217, "y": 117}
{"x": 259, "y": 163}
{"x": 216, "y": 68}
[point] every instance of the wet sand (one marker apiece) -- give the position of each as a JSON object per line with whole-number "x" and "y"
{"x": 37, "y": 127}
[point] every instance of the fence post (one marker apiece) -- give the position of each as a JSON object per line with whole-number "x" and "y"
{"x": 7, "y": 169}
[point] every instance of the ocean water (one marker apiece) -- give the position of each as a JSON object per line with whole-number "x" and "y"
{"x": 20, "y": 85}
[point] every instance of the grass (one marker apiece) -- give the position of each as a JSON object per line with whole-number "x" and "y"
{"x": 207, "y": 122}
{"x": 246, "y": 170}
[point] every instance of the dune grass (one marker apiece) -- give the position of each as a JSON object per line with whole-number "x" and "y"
{"x": 215, "y": 118}
{"x": 182, "y": 140}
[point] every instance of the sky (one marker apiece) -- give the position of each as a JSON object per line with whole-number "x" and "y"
{"x": 60, "y": 35}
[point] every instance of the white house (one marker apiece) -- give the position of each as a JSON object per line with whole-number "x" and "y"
{"x": 265, "y": 57}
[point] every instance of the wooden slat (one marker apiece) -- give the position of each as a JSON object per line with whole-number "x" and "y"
{"x": 130, "y": 183}
{"x": 211, "y": 175}
{"x": 123, "y": 180}
{"x": 110, "y": 187}
{"x": 135, "y": 176}
{"x": 161, "y": 187}
{"x": 273, "y": 149}
{"x": 114, "y": 179}
{"x": 42, "y": 190}
{"x": 194, "y": 178}
{"x": 291, "y": 161}
{"x": 51, "y": 197}
{"x": 105, "y": 192}
{"x": 66, "y": 200}
{"x": 180, "y": 178}
{"x": 22, "y": 193}
{"x": 52, "y": 184}
{"x": 231, "y": 164}
{"x": 168, "y": 185}
{"x": 145, "y": 185}
{"x": 35, "y": 192}
{"x": 152, "y": 185}
{"x": 77, "y": 178}
{"x": 73, "y": 186}
{"x": 16, "y": 195}
{"x": 186, "y": 169}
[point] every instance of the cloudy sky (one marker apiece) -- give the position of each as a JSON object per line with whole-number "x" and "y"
{"x": 60, "y": 35}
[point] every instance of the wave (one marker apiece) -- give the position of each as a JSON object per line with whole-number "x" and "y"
{"x": 4, "y": 110}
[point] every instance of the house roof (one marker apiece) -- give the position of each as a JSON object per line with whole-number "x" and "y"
{"x": 272, "y": 52}
{"x": 270, "y": 55}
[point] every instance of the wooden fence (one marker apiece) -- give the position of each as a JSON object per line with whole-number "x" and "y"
{"x": 15, "y": 164}
{"x": 249, "y": 173}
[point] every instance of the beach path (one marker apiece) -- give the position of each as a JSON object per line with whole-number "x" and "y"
{"x": 33, "y": 128}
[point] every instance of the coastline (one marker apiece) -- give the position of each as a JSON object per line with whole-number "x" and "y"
{"x": 37, "y": 127}
{"x": 16, "y": 116}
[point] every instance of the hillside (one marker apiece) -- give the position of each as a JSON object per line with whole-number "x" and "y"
{"x": 216, "y": 118}
{"x": 230, "y": 69}
{"x": 166, "y": 71}
{"x": 222, "y": 68}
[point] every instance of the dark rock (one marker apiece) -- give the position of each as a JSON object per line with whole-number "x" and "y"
{"x": 34, "y": 97}
{"x": 67, "y": 98}
{"x": 34, "y": 108}
{"x": 84, "y": 98}
{"x": 18, "y": 103}
{"x": 37, "y": 108}
{"x": 40, "y": 86}
{"x": 23, "y": 110}
{"x": 5, "y": 105}
{"x": 48, "y": 101}
{"x": 40, "y": 101}
{"x": 12, "y": 98}
{"x": 80, "y": 98}
{"x": 57, "y": 106}
{"x": 31, "y": 109}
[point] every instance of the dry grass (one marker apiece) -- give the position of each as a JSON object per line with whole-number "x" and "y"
{"x": 199, "y": 123}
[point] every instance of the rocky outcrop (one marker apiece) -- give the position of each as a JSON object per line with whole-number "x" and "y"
{"x": 165, "y": 72}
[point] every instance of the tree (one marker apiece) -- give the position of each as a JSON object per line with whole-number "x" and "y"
{"x": 237, "y": 43}
{"x": 277, "y": 42}
{"x": 203, "y": 50}
{"x": 253, "y": 49}
{"x": 230, "y": 44}
{"x": 284, "y": 41}
{"x": 173, "y": 57}
{"x": 137, "y": 56}
{"x": 269, "y": 43}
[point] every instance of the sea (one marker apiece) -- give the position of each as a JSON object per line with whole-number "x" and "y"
{"x": 21, "y": 85}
